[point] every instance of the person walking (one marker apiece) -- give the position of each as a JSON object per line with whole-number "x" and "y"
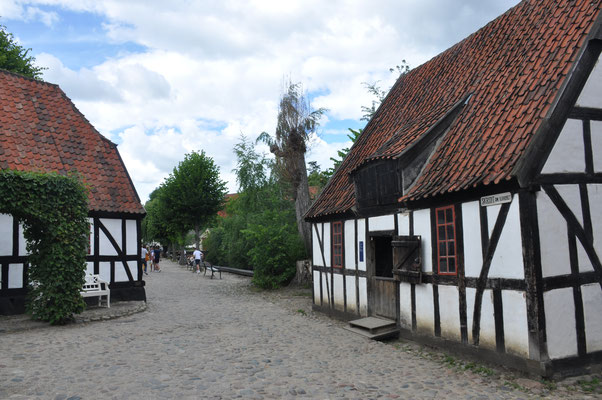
{"x": 197, "y": 260}
{"x": 144, "y": 255}
{"x": 157, "y": 254}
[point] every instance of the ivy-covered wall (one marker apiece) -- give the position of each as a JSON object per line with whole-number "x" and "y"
{"x": 53, "y": 210}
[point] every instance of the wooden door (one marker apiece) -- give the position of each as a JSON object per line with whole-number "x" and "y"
{"x": 383, "y": 287}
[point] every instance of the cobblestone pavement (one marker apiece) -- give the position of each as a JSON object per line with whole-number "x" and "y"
{"x": 216, "y": 339}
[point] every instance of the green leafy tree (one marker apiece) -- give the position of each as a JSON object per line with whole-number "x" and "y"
{"x": 15, "y": 58}
{"x": 355, "y": 134}
{"x": 259, "y": 231}
{"x": 378, "y": 93}
{"x": 315, "y": 175}
{"x": 296, "y": 123}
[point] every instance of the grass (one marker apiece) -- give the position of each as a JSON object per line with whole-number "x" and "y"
{"x": 302, "y": 312}
{"x": 594, "y": 385}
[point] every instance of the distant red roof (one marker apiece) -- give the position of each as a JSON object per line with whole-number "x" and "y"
{"x": 514, "y": 67}
{"x": 41, "y": 130}
{"x": 230, "y": 196}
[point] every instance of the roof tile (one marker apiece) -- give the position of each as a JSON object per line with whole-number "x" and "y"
{"x": 514, "y": 66}
{"x": 41, "y": 130}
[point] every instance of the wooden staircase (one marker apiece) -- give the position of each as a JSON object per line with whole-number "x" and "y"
{"x": 374, "y": 328}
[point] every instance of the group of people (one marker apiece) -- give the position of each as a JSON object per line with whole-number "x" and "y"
{"x": 152, "y": 257}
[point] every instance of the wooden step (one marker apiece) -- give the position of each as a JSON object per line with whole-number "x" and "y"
{"x": 374, "y": 328}
{"x": 381, "y": 335}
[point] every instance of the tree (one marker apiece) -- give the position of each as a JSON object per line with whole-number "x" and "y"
{"x": 195, "y": 193}
{"x": 295, "y": 124}
{"x": 15, "y": 58}
{"x": 343, "y": 152}
{"x": 259, "y": 230}
{"x": 380, "y": 94}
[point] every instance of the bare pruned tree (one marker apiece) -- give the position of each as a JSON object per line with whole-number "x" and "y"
{"x": 296, "y": 123}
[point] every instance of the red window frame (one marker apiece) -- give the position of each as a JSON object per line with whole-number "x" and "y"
{"x": 337, "y": 244}
{"x": 447, "y": 254}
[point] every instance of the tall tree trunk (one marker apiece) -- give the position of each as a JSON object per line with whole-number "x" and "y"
{"x": 182, "y": 260}
{"x": 302, "y": 202}
{"x": 197, "y": 236}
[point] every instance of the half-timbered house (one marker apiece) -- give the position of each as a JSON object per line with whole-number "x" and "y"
{"x": 41, "y": 130}
{"x": 469, "y": 212}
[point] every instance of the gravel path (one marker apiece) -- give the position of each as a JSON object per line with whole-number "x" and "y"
{"x": 217, "y": 339}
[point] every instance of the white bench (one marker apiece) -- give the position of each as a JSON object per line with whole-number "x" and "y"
{"x": 94, "y": 286}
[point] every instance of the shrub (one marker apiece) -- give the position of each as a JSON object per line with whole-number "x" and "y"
{"x": 54, "y": 212}
{"x": 276, "y": 247}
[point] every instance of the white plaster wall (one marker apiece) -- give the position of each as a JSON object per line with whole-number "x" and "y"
{"x": 89, "y": 268}
{"x": 568, "y": 154}
{"x": 403, "y": 224}
{"x": 382, "y": 223}
{"x": 6, "y": 235}
{"x": 487, "y": 328}
{"x": 363, "y": 297}
{"x": 592, "y": 310}
{"x": 425, "y": 311}
{"x": 114, "y": 228}
{"x": 349, "y": 238}
{"x": 507, "y": 261}
{"x": 560, "y": 323}
{"x": 316, "y": 278}
{"x": 326, "y": 240}
{"x": 361, "y": 237}
{"x": 15, "y": 276}
{"x": 131, "y": 237}
{"x": 596, "y": 130}
{"x": 316, "y": 252}
{"x": 339, "y": 293}
{"x": 595, "y": 206}
{"x": 405, "y": 305}
{"x": 22, "y": 242}
{"x": 552, "y": 237}
{"x": 516, "y": 330}
{"x": 572, "y": 197}
{"x": 422, "y": 227}
{"x": 351, "y": 300}
{"x": 326, "y": 289}
{"x": 104, "y": 270}
{"x": 120, "y": 274}
{"x": 91, "y": 236}
{"x": 492, "y": 213}
{"x": 471, "y": 224}
{"x": 449, "y": 312}
{"x": 591, "y": 94}
{"x": 134, "y": 269}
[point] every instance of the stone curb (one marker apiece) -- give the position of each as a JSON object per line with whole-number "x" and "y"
{"x": 12, "y": 324}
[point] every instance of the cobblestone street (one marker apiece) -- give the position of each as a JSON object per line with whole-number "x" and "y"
{"x": 217, "y": 339}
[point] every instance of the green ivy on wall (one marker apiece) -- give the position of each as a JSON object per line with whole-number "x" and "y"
{"x": 54, "y": 212}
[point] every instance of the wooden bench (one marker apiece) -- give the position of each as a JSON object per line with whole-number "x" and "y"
{"x": 211, "y": 268}
{"x": 96, "y": 287}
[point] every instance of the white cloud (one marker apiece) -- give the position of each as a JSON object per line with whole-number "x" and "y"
{"x": 210, "y": 71}
{"x": 18, "y": 10}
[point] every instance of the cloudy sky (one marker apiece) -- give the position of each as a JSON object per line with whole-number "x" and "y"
{"x": 164, "y": 78}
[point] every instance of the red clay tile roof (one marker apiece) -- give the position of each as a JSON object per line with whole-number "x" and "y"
{"x": 514, "y": 68}
{"x": 41, "y": 130}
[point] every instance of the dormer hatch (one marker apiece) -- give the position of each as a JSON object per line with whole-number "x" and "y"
{"x": 386, "y": 176}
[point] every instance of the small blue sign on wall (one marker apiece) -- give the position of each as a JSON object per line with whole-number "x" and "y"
{"x": 361, "y": 250}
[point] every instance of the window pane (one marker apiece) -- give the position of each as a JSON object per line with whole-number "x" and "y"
{"x": 451, "y": 264}
{"x": 442, "y": 233}
{"x": 449, "y": 217}
{"x": 443, "y": 265}
{"x": 450, "y": 232}
{"x": 442, "y": 249}
{"x": 440, "y": 216}
{"x": 451, "y": 249}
